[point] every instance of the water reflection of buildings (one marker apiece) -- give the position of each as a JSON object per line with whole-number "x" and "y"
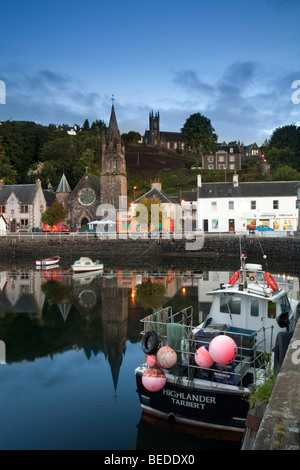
{"x": 105, "y": 304}
{"x": 20, "y": 292}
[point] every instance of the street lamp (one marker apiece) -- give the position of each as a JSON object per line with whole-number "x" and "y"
{"x": 134, "y": 188}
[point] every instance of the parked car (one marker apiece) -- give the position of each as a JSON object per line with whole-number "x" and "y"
{"x": 60, "y": 227}
{"x": 264, "y": 228}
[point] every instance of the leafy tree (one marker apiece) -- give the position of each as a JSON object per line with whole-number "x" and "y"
{"x": 8, "y": 174}
{"x": 56, "y": 291}
{"x": 199, "y": 134}
{"x": 86, "y": 125}
{"x": 54, "y": 214}
{"x": 85, "y": 161}
{"x": 99, "y": 127}
{"x": 146, "y": 219}
{"x": 131, "y": 137}
{"x": 284, "y": 147}
{"x": 286, "y": 173}
{"x": 150, "y": 294}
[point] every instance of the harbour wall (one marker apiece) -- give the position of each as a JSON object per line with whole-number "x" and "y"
{"x": 280, "y": 423}
{"x": 196, "y": 253}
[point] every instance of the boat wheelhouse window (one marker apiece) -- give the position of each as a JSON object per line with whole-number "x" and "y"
{"x": 229, "y": 304}
{"x": 254, "y": 309}
{"x": 285, "y": 304}
{"x": 271, "y": 310}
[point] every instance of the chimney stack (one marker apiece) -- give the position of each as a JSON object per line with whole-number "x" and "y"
{"x": 156, "y": 184}
{"x": 199, "y": 181}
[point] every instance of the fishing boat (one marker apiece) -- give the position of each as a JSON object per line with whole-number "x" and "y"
{"x": 52, "y": 260}
{"x": 85, "y": 264}
{"x": 201, "y": 376}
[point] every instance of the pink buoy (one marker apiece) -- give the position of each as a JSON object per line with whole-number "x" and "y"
{"x": 154, "y": 379}
{"x": 203, "y": 358}
{"x": 166, "y": 357}
{"x": 151, "y": 361}
{"x": 223, "y": 349}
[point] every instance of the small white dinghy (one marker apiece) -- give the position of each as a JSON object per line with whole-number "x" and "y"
{"x": 52, "y": 260}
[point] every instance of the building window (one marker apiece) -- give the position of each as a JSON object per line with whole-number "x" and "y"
{"x": 253, "y": 205}
{"x": 24, "y": 209}
{"x": 275, "y": 204}
{"x": 231, "y": 166}
{"x": 215, "y": 224}
{"x": 232, "y": 158}
{"x": 2, "y": 209}
{"x": 213, "y": 206}
{"x": 210, "y": 167}
{"x": 231, "y": 205}
{"x": 297, "y": 204}
{"x": 24, "y": 223}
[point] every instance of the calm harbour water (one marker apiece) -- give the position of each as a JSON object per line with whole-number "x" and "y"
{"x": 72, "y": 345}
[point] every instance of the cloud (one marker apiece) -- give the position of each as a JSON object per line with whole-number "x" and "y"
{"x": 246, "y": 102}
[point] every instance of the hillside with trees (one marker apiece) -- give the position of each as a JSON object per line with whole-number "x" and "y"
{"x": 29, "y": 151}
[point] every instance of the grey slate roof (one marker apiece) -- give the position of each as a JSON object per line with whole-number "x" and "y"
{"x": 24, "y": 192}
{"x": 63, "y": 186}
{"x": 154, "y": 192}
{"x": 49, "y": 196}
{"x": 188, "y": 195}
{"x": 257, "y": 189}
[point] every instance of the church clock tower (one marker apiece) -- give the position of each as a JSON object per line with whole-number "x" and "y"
{"x": 113, "y": 179}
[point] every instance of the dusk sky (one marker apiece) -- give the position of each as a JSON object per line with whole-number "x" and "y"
{"x": 232, "y": 61}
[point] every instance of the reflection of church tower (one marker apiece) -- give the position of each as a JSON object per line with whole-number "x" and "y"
{"x": 114, "y": 321}
{"x": 113, "y": 172}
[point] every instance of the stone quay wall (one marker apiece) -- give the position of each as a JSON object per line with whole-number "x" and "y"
{"x": 181, "y": 252}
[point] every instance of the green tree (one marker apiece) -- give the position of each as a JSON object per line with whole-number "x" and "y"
{"x": 146, "y": 219}
{"x": 284, "y": 147}
{"x": 199, "y": 134}
{"x": 86, "y": 125}
{"x": 54, "y": 214}
{"x": 286, "y": 173}
{"x": 8, "y": 174}
{"x": 85, "y": 161}
{"x": 131, "y": 137}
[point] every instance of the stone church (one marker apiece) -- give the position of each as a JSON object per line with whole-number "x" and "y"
{"x": 171, "y": 140}
{"x": 110, "y": 187}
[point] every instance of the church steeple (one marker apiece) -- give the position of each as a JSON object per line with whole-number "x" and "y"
{"x": 113, "y": 171}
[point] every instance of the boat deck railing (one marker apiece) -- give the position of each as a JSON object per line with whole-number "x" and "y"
{"x": 177, "y": 331}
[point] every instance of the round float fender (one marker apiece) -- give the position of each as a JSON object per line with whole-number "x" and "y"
{"x": 150, "y": 342}
{"x": 234, "y": 278}
{"x": 271, "y": 282}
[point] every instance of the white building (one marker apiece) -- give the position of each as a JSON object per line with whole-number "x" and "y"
{"x": 234, "y": 206}
{"x": 22, "y": 205}
{"x": 2, "y": 226}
